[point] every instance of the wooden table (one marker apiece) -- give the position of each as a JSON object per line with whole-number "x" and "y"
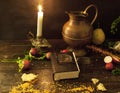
{"x": 95, "y": 68}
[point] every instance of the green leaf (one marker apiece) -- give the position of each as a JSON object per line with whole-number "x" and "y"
{"x": 28, "y": 57}
{"x": 116, "y": 71}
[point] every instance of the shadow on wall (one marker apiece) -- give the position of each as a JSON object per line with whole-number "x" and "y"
{"x": 18, "y": 17}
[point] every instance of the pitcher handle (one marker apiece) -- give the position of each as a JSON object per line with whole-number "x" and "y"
{"x": 96, "y": 10}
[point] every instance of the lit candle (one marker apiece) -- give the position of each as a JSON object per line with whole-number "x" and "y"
{"x": 39, "y": 21}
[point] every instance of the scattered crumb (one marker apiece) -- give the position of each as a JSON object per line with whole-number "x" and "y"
{"x": 63, "y": 87}
{"x": 28, "y": 77}
{"x": 85, "y": 89}
{"x": 24, "y": 88}
{"x": 95, "y": 80}
{"x": 101, "y": 87}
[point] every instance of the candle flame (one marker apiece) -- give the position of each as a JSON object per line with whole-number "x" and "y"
{"x": 40, "y": 8}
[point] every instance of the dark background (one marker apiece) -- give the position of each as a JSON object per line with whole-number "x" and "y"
{"x": 18, "y": 17}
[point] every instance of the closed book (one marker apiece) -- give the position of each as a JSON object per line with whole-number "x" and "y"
{"x": 65, "y": 66}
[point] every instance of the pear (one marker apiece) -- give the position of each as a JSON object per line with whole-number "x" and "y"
{"x": 98, "y": 36}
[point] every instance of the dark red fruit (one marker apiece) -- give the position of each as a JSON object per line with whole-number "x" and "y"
{"x": 33, "y": 51}
{"x": 109, "y": 66}
{"x": 64, "y": 51}
{"x": 26, "y": 64}
{"x": 48, "y": 54}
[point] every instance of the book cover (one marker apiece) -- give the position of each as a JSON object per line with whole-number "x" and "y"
{"x": 64, "y": 66}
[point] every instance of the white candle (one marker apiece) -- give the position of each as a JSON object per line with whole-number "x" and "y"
{"x": 39, "y": 21}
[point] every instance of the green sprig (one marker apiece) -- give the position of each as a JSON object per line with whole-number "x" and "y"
{"x": 41, "y": 57}
{"x": 114, "y": 25}
{"x": 20, "y": 64}
{"x": 30, "y": 58}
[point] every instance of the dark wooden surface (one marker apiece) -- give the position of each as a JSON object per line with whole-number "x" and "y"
{"x": 9, "y": 75}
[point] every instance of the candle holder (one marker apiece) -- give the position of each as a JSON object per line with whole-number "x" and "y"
{"x": 38, "y": 42}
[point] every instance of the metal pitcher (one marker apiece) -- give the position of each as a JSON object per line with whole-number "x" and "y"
{"x": 77, "y": 31}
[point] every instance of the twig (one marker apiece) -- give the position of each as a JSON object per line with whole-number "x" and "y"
{"x": 104, "y": 52}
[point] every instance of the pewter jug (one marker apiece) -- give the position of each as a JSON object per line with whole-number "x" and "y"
{"x": 77, "y": 31}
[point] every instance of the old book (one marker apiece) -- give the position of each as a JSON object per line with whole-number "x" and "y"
{"x": 64, "y": 66}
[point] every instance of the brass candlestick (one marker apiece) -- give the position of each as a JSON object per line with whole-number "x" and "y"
{"x": 38, "y": 42}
